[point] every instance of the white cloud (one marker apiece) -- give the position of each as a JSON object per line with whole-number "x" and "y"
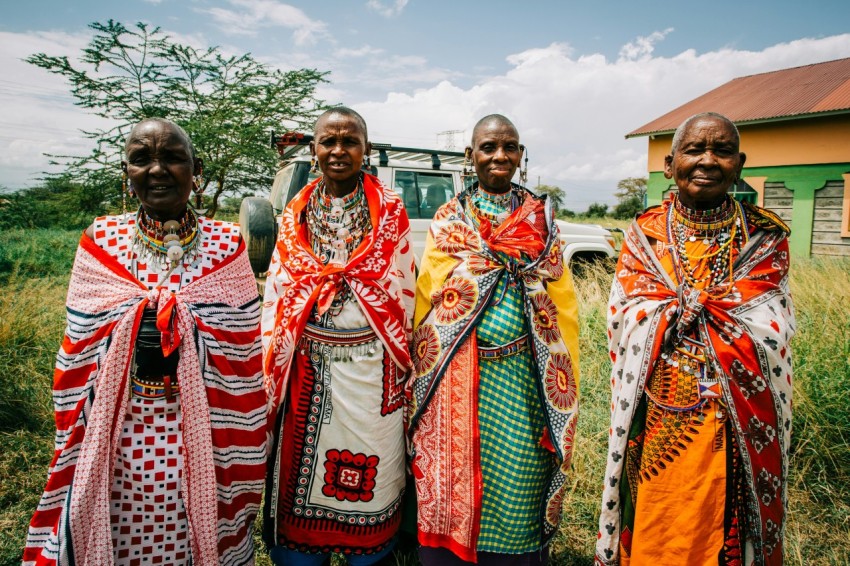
{"x": 642, "y": 47}
{"x": 38, "y": 112}
{"x": 573, "y": 112}
{"x": 249, "y": 16}
{"x": 364, "y": 51}
{"x": 364, "y": 73}
{"x": 388, "y": 11}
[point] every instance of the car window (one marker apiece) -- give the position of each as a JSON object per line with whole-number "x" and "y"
{"x": 280, "y": 188}
{"x": 423, "y": 192}
{"x": 300, "y": 177}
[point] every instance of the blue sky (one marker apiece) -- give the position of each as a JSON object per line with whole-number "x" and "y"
{"x": 574, "y": 76}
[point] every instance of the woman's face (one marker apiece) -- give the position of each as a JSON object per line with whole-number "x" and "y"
{"x": 160, "y": 167}
{"x": 706, "y": 163}
{"x": 496, "y": 154}
{"x": 339, "y": 146}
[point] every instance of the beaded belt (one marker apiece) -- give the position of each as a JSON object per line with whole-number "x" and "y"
{"x": 167, "y": 388}
{"x": 337, "y": 337}
{"x": 509, "y": 349}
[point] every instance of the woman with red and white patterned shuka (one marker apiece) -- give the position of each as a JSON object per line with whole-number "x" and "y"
{"x": 337, "y": 317}
{"x": 158, "y": 390}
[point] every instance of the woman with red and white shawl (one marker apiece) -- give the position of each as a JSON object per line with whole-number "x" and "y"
{"x": 336, "y": 322}
{"x": 159, "y": 396}
{"x": 699, "y": 326}
{"x": 495, "y": 349}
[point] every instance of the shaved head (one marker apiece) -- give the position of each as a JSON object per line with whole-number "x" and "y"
{"x": 343, "y": 111}
{"x": 180, "y": 132}
{"x": 684, "y": 126}
{"x": 495, "y": 119}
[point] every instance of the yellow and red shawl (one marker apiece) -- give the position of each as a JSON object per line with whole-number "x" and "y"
{"x": 459, "y": 271}
{"x": 747, "y": 334}
{"x": 222, "y": 399}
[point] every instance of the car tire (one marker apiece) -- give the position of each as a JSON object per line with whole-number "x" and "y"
{"x": 259, "y": 230}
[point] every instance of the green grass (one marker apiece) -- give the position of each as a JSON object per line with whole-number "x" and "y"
{"x": 33, "y": 279}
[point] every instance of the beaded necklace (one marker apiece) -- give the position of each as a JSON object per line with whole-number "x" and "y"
{"x": 337, "y": 224}
{"x": 153, "y": 241}
{"x": 724, "y": 226}
{"x": 505, "y": 202}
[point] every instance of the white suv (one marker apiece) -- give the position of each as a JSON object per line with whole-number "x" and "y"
{"x": 424, "y": 178}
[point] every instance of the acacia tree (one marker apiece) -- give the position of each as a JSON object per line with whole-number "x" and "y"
{"x": 227, "y": 104}
{"x": 556, "y": 195}
{"x": 631, "y": 187}
{"x": 631, "y": 196}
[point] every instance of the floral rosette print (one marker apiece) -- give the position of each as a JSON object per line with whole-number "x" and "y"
{"x": 456, "y": 237}
{"x": 426, "y": 348}
{"x": 545, "y": 320}
{"x": 455, "y": 300}
{"x": 561, "y": 387}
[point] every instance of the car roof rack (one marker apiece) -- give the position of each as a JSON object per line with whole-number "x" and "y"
{"x": 289, "y": 143}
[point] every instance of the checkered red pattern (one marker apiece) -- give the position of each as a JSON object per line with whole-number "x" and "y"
{"x": 147, "y": 513}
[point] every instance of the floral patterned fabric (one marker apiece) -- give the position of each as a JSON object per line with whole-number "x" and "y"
{"x": 461, "y": 271}
{"x": 746, "y": 336}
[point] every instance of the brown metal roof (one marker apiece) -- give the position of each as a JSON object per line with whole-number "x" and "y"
{"x": 800, "y": 91}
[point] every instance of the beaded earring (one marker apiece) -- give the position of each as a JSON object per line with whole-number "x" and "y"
{"x": 126, "y": 189}
{"x": 314, "y": 165}
{"x": 466, "y": 163}
{"x": 198, "y": 189}
{"x": 198, "y": 183}
{"x": 523, "y": 171}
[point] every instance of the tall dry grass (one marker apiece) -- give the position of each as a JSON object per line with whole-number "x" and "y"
{"x": 32, "y": 319}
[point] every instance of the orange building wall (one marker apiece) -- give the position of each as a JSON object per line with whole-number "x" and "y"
{"x": 789, "y": 142}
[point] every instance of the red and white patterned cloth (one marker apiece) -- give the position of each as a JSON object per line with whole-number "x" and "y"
{"x": 148, "y": 516}
{"x": 215, "y": 324}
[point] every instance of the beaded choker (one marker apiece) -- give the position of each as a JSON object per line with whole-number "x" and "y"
{"x": 163, "y": 244}
{"x": 503, "y": 200}
{"x": 705, "y": 220}
{"x": 505, "y": 203}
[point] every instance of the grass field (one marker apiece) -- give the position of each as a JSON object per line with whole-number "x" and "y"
{"x": 34, "y": 267}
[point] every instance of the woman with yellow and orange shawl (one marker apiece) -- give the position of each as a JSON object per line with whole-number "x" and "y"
{"x": 495, "y": 349}
{"x": 699, "y": 325}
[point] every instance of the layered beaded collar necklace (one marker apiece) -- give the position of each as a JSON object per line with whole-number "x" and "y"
{"x": 164, "y": 245}
{"x": 721, "y": 229}
{"x": 337, "y": 224}
{"x": 505, "y": 203}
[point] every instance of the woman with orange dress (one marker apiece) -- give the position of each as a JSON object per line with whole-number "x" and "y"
{"x": 699, "y": 326}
